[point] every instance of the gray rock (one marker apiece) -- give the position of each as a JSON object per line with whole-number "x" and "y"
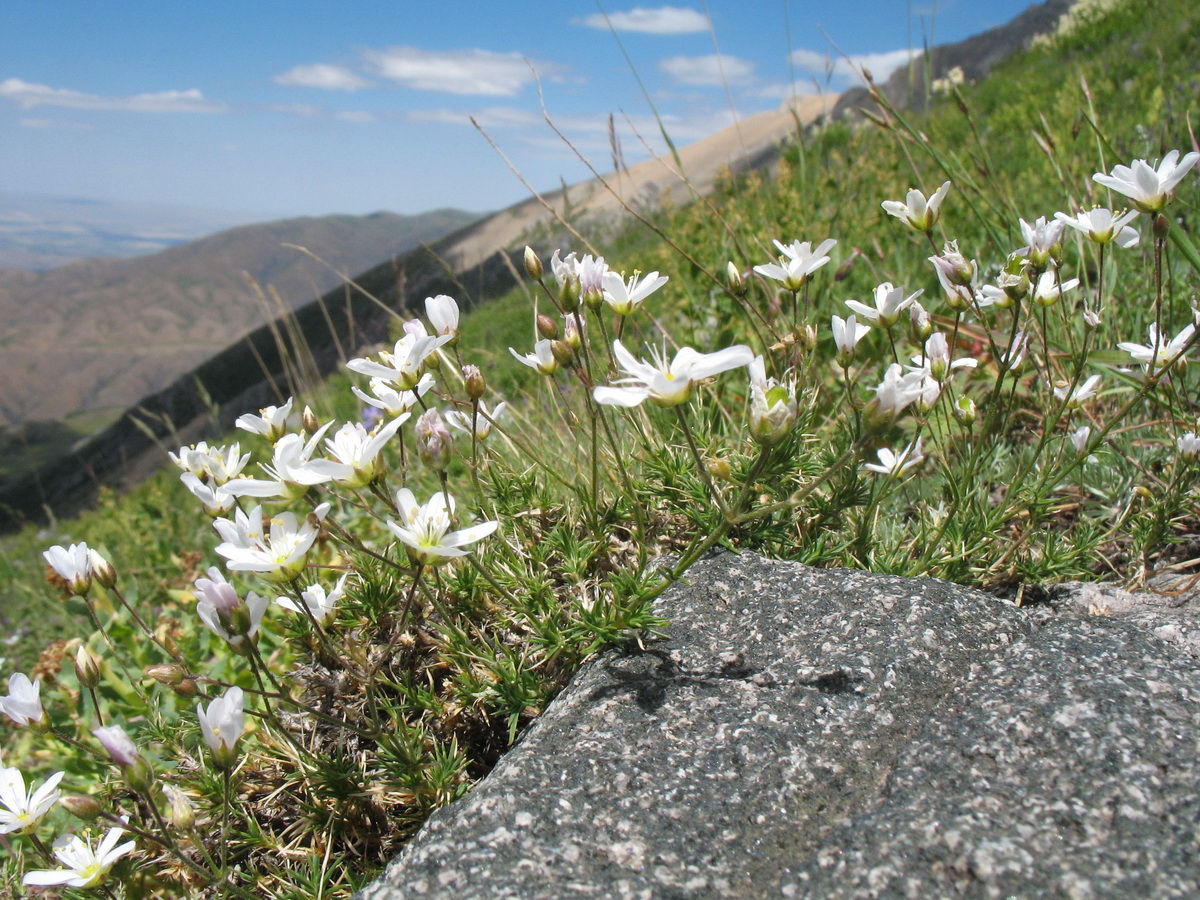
{"x": 829, "y": 733}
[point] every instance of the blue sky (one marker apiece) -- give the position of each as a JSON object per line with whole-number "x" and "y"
{"x": 273, "y": 108}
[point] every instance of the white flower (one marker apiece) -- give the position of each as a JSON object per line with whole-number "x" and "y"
{"x": 917, "y": 212}
{"x": 1083, "y": 393}
{"x": 23, "y": 704}
{"x": 290, "y": 470}
{"x": 591, "y": 271}
{"x": 357, "y": 454}
{"x": 1146, "y": 186}
{"x": 322, "y": 605}
{"x": 1080, "y": 437}
{"x": 846, "y": 335}
{"x": 217, "y": 501}
{"x": 798, "y": 262}
{"x": 119, "y": 745}
{"x": 222, "y": 725}
{"x": 85, "y": 867}
{"x": 936, "y": 362}
{"x": 1040, "y": 238}
{"x": 542, "y": 357}
{"x": 896, "y": 392}
{"x": 1189, "y": 446}
{"x": 425, "y": 530}
{"x": 483, "y": 422}
{"x": 622, "y": 296}
{"x": 393, "y": 402}
{"x": 73, "y": 564}
{"x": 1013, "y": 356}
{"x": 890, "y": 302}
{"x": 896, "y": 464}
{"x": 667, "y": 384}
{"x": 402, "y": 366}
{"x": 1103, "y": 226}
{"x": 219, "y": 464}
{"x": 23, "y": 810}
{"x": 957, "y": 276}
{"x": 278, "y": 556}
{"x": 1159, "y": 354}
{"x": 443, "y": 315}
{"x": 772, "y": 405}
{"x": 1049, "y": 288}
{"x": 224, "y": 612}
{"x": 271, "y": 421}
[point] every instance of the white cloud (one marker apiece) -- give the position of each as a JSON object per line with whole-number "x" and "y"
{"x": 359, "y": 116}
{"x": 323, "y": 76}
{"x": 53, "y": 125}
{"x": 489, "y": 117}
{"x": 480, "y": 72}
{"x": 708, "y": 70}
{"x": 30, "y": 95}
{"x": 880, "y": 65}
{"x": 662, "y": 20}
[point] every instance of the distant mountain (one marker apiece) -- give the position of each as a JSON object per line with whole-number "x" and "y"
{"x": 92, "y": 338}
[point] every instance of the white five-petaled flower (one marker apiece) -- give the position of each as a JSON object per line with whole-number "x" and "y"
{"x": 393, "y": 402}
{"x": 216, "y": 500}
{"x": 1189, "y": 446}
{"x": 425, "y": 530}
{"x": 1083, "y": 393}
{"x": 271, "y": 421}
{"x": 1049, "y": 288}
{"x": 917, "y": 212}
{"x": 1040, "y": 238}
{"x": 624, "y": 296}
{"x": 1147, "y": 187}
{"x": 935, "y": 363}
{"x": 218, "y": 464}
{"x": 798, "y": 261}
{"x": 895, "y": 465}
{"x": 321, "y": 603}
{"x": 442, "y": 311}
{"x": 224, "y": 612}
{"x": 278, "y": 555}
{"x": 897, "y": 390}
{"x": 222, "y": 725}
{"x": 846, "y": 335}
{"x": 357, "y": 454}
{"x": 73, "y": 564}
{"x": 85, "y": 866}
{"x": 957, "y": 275}
{"x": 1080, "y": 437}
{"x": 483, "y": 422}
{"x": 591, "y": 271}
{"x": 1103, "y": 226}
{"x": 542, "y": 357}
{"x": 890, "y": 303}
{"x": 1012, "y": 357}
{"x": 772, "y": 405}
{"x": 22, "y": 809}
{"x": 667, "y": 384}
{"x": 290, "y": 470}
{"x": 403, "y": 365}
{"x": 1159, "y": 354}
{"x": 23, "y": 704}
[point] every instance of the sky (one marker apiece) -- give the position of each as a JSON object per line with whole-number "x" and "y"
{"x": 276, "y": 108}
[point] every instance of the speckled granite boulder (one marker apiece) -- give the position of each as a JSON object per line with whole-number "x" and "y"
{"x": 814, "y": 733}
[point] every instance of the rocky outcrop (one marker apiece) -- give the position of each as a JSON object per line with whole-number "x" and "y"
{"x": 829, "y": 733}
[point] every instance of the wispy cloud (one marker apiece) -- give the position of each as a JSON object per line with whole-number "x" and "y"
{"x": 708, "y": 70}
{"x": 660, "y": 20}
{"x": 322, "y": 76}
{"x": 880, "y": 65}
{"x": 30, "y": 95}
{"x": 480, "y": 72}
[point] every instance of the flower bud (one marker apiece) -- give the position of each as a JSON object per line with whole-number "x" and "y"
{"x": 533, "y": 265}
{"x": 309, "y": 420}
{"x": 546, "y": 327}
{"x": 82, "y": 806}
{"x": 569, "y": 292}
{"x": 734, "y": 279}
{"x": 474, "y": 382}
{"x": 170, "y": 674}
{"x": 921, "y": 322}
{"x": 806, "y": 337}
{"x": 180, "y": 812}
{"x": 87, "y": 668}
{"x": 563, "y": 354}
{"x": 1162, "y": 227}
{"x": 964, "y": 411}
{"x": 433, "y": 441}
{"x": 187, "y": 688}
{"x": 103, "y": 572}
{"x": 718, "y": 468}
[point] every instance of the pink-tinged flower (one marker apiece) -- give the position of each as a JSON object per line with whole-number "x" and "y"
{"x": 357, "y": 454}
{"x": 846, "y": 335}
{"x": 624, "y": 296}
{"x": 935, "y": 363}
{"x": 271, "y": 421}
{"x": 425, "y": 530}
{"x": 483, "y": 422}
{"x": 85, "y": 866}
{"x": 917, "y": 212}
{"x": 320, "y": 603}
{"x": 224, "y": 612}
{"x": 73, "y": 564}
{"x": 1189, "y": 446}
{"x": 1159, "y": 354}
{"x": 119, "y": 745}
{"x": 1147, "y": 187}
{"x": 894, "y": 465}
{"x": 222, "y": 725}
{"x": 442, "y": 311}
{"x": 23, "y": 704}
{"x": 542, "y": 357}
{"x": 22, "y": 809}
{"x": 434, "y": 441}
{"x": 798, "y": 261}
{"x": 890, "y": 303}
{"x": 1049, "y": 288}
{"x": 957, "y": 276}
{"x": 1103, "y": 226}
{"x": 393, "y": 402}
{"x": 591, "y": 271}
{"x": 772, "y": 405}
{"x": 403, "y": 366}
{"x": 667, "y": 384}
{"x": 279, "y": 556}
{"x": 1080, "y": 395}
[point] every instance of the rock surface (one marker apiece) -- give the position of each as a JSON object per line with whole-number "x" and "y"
{"x": 829, "y": 733}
